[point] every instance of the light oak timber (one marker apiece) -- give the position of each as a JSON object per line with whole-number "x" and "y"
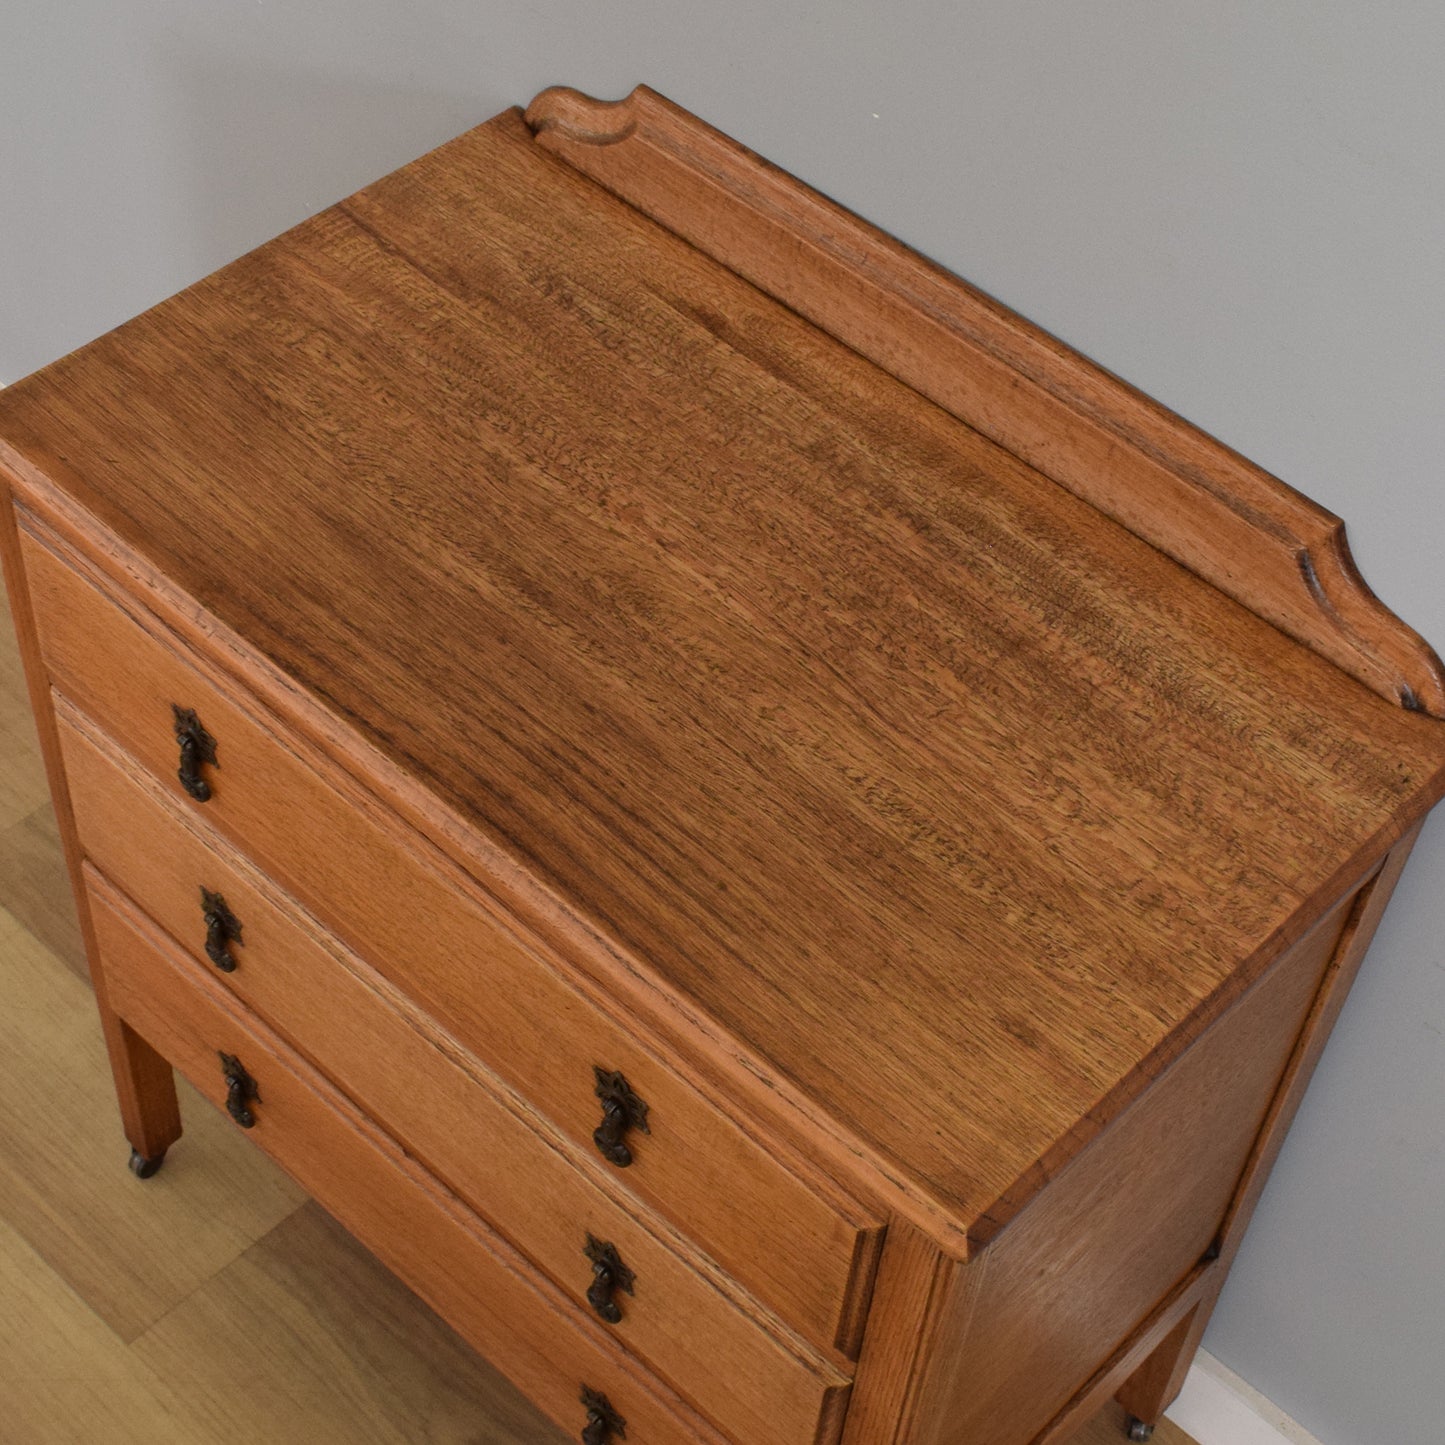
{"x": 463, "y": 1271}
{"x": 346, "y": 1353}
{"x": 22, "y": 779}
{"x": 333, "y": 1351}
{"x": 131, "y": 1254}
{"x": 68, "y": 1377}
{"x": 1280, "y": 554}
{"x": 611, "y": 665}
{"x": 686, "y": 1319}
{"x": 33, "y": 885}
{"x": 1156, "y": 1384}
{"x": 144, "y": 1086}
{"x": 298, "y": 1337}
{"x": 1104, "y": 1383}
{"x": 1123, "y": 1235}
{"x": 797, "y": 1249}
{"x": 907, "y": 1317}
{"x": 861, "y": 785}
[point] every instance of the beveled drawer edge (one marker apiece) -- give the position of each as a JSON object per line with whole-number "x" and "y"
{"x": 402, "y": 1163}
{"x": 860, "y": 1184}
{"x": 295, "y": 912}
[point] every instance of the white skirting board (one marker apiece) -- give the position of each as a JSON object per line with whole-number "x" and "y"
{"x": 1216, "y": 1407}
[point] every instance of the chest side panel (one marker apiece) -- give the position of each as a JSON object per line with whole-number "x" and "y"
{"x": 1064, "y": 1287}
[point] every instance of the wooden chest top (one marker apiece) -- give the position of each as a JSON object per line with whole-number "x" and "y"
{"x": 956, "y": 806}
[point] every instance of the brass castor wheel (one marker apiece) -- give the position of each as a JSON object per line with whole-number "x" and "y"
{"x": 1138, "y": 1430}
{"x": 144, "y": 1168}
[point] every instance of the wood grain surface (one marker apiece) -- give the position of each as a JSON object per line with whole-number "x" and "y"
{"x": 686, "y": 1318}
{"x": 331, "y": 1349}
{"x": 468, "y": 1274}
{"x": 1066, "y": 1286}
{"x": 23, "y": 793}
{"x": 35, "y": 890}
{"x": 959, "y": 806}
{"x": 1256, "y": 539}
{"x": 49, "y": 1018}
{"x": 800, "y": 1250}
{"x": 1159, "y": 1380}
{"x": 291, "y": 1333}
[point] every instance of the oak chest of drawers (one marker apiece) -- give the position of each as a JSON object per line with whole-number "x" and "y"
{"x": 777, "y": 844}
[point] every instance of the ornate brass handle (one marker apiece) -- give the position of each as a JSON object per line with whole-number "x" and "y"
{"x": 197, "y": 747}
{"x": 609, "y": 1275}
{"x": 223, "y": 928}
{"x": 241, "y": 1091}
{"x": 621, "y": 1110}
{"x": 603, "y": 1422}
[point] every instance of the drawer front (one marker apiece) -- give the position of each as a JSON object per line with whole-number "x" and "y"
{"x": 807, "y": 1254}
{"x": 458, "y": 1120}
{"x": 441, "y": 1250}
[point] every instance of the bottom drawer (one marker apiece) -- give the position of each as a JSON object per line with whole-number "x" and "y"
{"x": 427, "y": 1237}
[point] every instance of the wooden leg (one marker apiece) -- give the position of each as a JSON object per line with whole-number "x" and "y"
{"x": 1156, "y": 1384}
{"x": 146, "y": 1090}
{"x": 144, "y": 1083}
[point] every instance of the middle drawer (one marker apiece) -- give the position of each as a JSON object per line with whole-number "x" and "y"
{"x": 683, "y": 1316}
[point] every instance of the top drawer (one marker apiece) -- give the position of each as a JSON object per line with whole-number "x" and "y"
{"x": 425, "y": 925}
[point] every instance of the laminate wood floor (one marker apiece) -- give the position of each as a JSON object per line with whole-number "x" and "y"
{"x": 214, "y": 1302}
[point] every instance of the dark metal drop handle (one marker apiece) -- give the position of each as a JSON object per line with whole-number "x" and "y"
{"x": 223, "y": 928}
{"x": 621, "y": 1110}
{"x": 609, "y": 1275}
{"x": 241, "y": 1091}
{"x": 604, "y": 1424}
{"x": 197, "y": 747}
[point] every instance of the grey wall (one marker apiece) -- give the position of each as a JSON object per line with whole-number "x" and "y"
{"x": 1239, "y": 206}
